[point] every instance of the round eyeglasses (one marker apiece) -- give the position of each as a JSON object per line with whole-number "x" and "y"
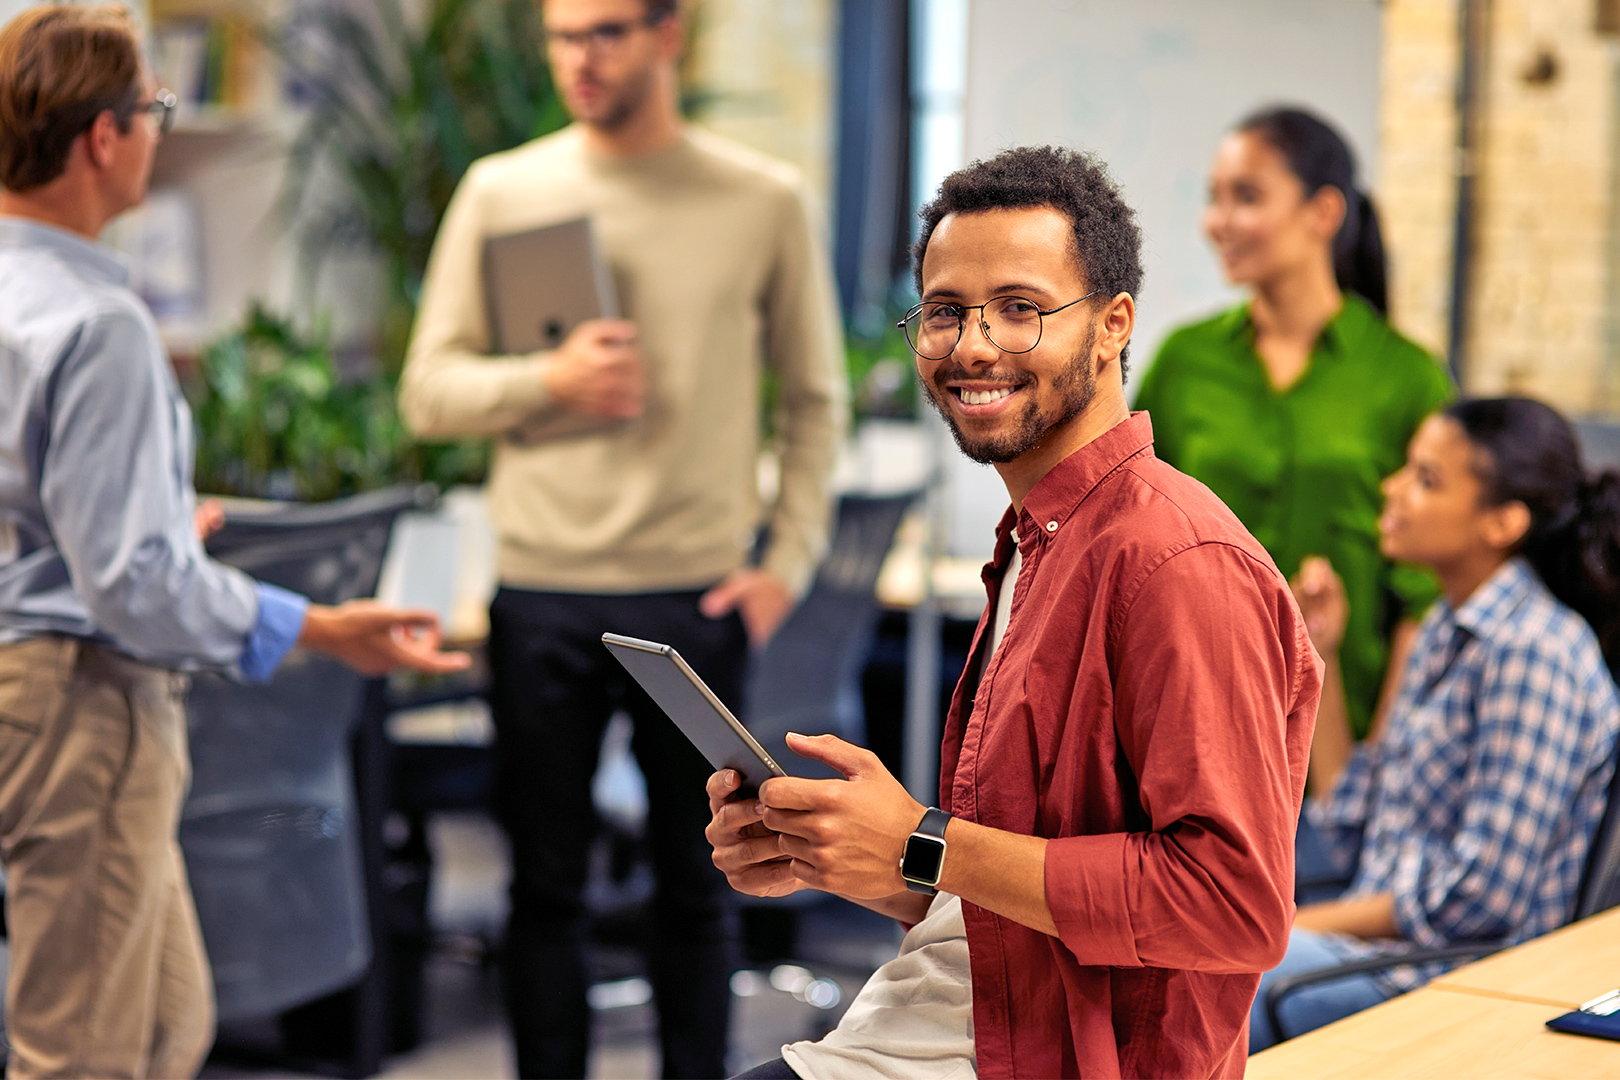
{"x": 1010, "y": 323}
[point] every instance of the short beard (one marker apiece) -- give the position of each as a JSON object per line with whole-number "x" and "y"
{"x": 626, "y": 103}
{"x": 1076, "y": 385}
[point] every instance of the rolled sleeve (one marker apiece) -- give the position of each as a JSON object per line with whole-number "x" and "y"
{"x": 1214, "y": 701}
{"x": 1087, "y": 892}
{"x": 275, "y": 631}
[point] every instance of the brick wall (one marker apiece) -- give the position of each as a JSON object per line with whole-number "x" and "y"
{"x": 1539, "y": 306}
{"x": 764, "y": 71}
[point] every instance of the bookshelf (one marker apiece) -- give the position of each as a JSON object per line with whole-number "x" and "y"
{"x": 209, "y": 239}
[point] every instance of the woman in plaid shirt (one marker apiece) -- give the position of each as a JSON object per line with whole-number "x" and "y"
{"x": 1469, "y": 814}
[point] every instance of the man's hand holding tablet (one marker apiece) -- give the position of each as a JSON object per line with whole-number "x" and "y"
{"x": 747, "y": 852}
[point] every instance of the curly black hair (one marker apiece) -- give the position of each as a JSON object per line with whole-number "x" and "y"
{"x": 1107, "y": 242}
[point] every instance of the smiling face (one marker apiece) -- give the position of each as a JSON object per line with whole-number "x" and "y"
{"x": 999, "y": 405}
{"x": 605, "y": 56}
{"x": 1258, "y": 219}
{"x": 1436, "y": 510}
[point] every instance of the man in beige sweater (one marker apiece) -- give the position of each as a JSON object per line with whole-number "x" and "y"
{"x": 624, "y": 490}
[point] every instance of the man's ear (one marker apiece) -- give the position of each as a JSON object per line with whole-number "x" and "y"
{"x": 671, "y": 33}
{"x": 1114, "y": 327}
{"x": 1506, "y": 525}
{"x": 101, "y": 138}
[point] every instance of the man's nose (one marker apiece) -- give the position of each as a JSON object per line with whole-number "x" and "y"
{"x": 974, "y": 344}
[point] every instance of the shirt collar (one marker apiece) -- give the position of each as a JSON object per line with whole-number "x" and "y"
{"x": 1057, "y": 495}
{"x": 1338, "y": 336}
{"x": 1491, "y": 605}
{"x": 84, "y": 256}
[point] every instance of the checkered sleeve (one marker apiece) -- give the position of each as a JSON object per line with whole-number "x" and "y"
{"x": 1522, "y": 777}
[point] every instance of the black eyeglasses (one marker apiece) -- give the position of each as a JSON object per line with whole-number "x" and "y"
{"x": 604, "y": 36}
{"x": 162, "y": 106}
{"x": 1010, "y": 323}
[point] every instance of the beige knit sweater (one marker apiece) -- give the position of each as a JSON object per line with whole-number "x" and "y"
{"x": 715, "y": 256}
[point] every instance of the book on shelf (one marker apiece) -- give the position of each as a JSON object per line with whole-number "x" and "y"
{"x": 214, "y": 64}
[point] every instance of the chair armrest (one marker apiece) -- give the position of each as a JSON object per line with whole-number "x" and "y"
{"x": 1290, "y": 984}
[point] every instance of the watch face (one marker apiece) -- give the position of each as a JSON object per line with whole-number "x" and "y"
{"x": 922, "y": 858}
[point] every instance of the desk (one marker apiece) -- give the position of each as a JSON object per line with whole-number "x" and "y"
{"x": 1564, "y": 968}
{"x": 1441, "y": 1034}
{"x": 1483, "y": 1020}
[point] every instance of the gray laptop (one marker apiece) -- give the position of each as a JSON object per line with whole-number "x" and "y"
{"x": 542, "y": 283}
{"x": 538, "y": 286}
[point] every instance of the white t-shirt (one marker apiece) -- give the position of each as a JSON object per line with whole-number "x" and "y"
{"x": 913, "y": 1020}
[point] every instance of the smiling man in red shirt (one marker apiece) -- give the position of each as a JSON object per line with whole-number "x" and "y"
{"x": 1124, "y": 759}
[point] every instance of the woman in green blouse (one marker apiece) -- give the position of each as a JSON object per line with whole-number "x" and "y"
{"x": 1294, "y": 405}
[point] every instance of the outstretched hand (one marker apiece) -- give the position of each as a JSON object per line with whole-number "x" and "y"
{"x": 208, "y": 518}
{"x": 374, "y": 639}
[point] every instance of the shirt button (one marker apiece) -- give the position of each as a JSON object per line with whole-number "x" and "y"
{"x": 1051, "y": 526}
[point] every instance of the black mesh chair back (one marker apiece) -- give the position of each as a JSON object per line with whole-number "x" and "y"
{"x": 808, "y": 678}
{"x": 1600, "y": 877}
{"x": 270, "y": 831}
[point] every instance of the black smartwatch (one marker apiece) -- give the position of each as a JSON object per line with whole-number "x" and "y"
{"x": 924, "y": 857}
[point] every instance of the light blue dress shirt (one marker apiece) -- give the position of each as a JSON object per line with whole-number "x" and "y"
{"x": 96, "y": 446}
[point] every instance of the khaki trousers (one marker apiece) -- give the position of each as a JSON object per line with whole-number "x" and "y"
{"x": 108, "y": 975}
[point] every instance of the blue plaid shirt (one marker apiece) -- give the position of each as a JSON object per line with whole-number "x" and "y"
{"x": 1477, "y": 806}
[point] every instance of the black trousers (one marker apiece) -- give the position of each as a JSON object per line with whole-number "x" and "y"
{"x": 554, "y": 687}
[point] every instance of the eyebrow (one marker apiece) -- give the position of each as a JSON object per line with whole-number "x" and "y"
{"x": 1012, "y": 289}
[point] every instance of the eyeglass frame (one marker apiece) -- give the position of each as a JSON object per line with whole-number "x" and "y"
{"x": 124, "y": 110}
{"x": 618, "y": 31}
{"x": 961, "y": 322}
{"x": 165, "y": 100}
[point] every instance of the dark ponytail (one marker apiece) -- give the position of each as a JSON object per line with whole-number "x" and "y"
{"x": 1320, "y": 157}
{"x": 1531, "y": 455}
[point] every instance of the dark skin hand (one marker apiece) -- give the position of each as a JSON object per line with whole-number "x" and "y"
{"x": 846, "y": 836}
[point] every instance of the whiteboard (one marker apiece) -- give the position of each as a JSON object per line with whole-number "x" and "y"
{"x": 1151, "y": 86}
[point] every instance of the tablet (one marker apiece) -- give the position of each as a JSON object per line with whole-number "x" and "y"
{"x": 700, "y": 715}
{"x": 540, "y": 284}
{"x": 1599, "y": 1017}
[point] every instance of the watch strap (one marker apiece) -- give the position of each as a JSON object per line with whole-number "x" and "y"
{"x": 933, "y": 823}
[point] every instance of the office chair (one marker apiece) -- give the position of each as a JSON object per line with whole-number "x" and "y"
{"x": 808, "y": 677}
{"x": 282, "y": 830}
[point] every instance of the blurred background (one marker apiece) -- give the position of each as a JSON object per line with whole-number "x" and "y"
{"x": 282, "y": 249}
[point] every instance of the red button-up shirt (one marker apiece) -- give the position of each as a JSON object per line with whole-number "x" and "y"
{"x": 1150, "y": 711}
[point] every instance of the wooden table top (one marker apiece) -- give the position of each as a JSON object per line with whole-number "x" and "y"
{"x": 1435, "y": 1033}
{"x": 1485, "y": 1020}
{"x": 1566, "y": 967}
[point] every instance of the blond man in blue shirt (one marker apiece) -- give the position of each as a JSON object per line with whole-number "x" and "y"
{"x": 105, "y": 592}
